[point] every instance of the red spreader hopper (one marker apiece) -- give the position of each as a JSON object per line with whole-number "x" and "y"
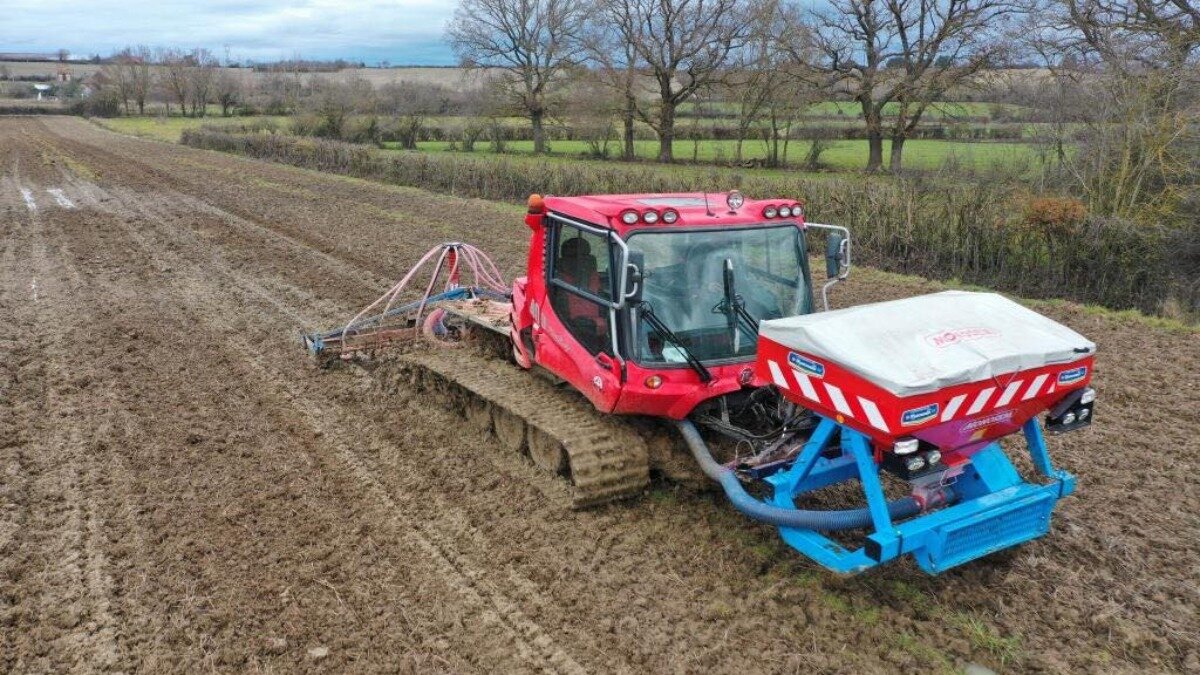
{"x": 954, "y": 369}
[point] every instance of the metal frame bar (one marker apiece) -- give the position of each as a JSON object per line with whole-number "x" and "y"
{"x": 997, "y": 509}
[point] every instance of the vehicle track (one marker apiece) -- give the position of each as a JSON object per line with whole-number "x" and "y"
{"x": 225, "y": 293}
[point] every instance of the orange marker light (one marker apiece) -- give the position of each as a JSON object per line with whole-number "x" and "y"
{"x": 653, "y": 382}
{"x": 536, "y": 204}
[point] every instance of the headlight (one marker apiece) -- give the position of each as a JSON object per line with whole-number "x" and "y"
{"x": 933, "y": 457}
{"x": 770, "y": 212}
{"x": 650, "y": 217}
{"x": 670, "y": 216}
{"x": 735, "y": 200}
{"x": 785, "y": 212}
{"x": 906, "y": 446}
{"x": 1069, "y": 418}
{"x": 1084, "y": 413}
{"x": 1087, "y": 396}
{"x": 629, "y": 217}
{"x": 915, "y": 464}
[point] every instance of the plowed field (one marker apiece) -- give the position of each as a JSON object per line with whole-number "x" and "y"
{"x": 181, "y": 491}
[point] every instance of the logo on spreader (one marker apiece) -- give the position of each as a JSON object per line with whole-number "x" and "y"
{"x": 946, "y": 338}
{"x": 806, "y": 364}
{"x": 918, "y": 415}
{"x": 1072, "y": 375}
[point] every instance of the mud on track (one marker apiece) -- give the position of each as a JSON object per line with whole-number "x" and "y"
{"x": 181, "y": 491}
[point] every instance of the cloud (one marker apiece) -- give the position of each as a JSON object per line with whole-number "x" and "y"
{"x": 400, "y": 31}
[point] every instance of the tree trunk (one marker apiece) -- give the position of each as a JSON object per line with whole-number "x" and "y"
{"x": 666, "y": 132}
{"x": 628, "y": 151}
{"x": 897, "y": 153}
{"x": 875, "y": 146}
{"x": 539, "y": 131}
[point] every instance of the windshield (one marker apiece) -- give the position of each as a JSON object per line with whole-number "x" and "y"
{"x": 684, "y": 284}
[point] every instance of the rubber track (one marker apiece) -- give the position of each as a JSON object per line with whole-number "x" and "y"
{"x": 608, "y": 460}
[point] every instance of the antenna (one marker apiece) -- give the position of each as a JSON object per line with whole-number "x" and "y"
{"x": 707, "y": 208}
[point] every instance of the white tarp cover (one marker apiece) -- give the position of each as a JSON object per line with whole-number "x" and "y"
{"x": 926, "y": 343}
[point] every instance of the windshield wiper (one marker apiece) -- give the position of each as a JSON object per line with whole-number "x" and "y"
{"x": 665, "y": 334}
{"x": 733, "y": 306}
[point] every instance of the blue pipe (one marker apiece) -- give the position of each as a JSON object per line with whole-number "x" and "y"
{"x": 850, "y": 519}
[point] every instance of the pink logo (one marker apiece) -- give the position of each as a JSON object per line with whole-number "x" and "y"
{"x": 947, "y": 338}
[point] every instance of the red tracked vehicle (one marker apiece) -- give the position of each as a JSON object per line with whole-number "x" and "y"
{"x": 652, "y": 305}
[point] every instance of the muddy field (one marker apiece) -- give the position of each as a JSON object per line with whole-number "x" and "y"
{"x": 180, "y": 490}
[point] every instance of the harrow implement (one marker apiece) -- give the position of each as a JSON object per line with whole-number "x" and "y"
{"x": 392, "y": 318}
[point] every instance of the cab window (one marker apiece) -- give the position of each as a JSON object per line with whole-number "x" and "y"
{"x": 581, "y": 274}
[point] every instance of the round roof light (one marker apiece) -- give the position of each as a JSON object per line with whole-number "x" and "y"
{"x": 650, "y": 216}
{"x": 735, "y": 200}
{"x": 785, "y": 211}
{"x": 770, "y": 212}
{"x": 798, "y": 210}
{"x": 670, "y": 216}
{"x": 629, "y": 217}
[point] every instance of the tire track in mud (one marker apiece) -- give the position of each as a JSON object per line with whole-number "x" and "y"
{"x": 496, "y": 608}
{"x": 60, "y": 576}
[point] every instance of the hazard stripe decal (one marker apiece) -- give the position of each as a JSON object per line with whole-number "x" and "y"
{"x": 806, "y": 386}
{"x": 981, "y": 400}
{"x": 1009, "y": 392}
{"x": 952, "y": 407}
{"x": 873, "y": 415}
{"x": 839, "y": 401}
{"x": 777, "y": 375}
{"x": 1035, "y": 386}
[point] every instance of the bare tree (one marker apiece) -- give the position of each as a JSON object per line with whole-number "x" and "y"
{"x": 531, "y": 43}
{"x": 1130, "y": 68}
{"x": 113, "y": 76}
{"x": 229, "y": 89}
{"x": 136, "y": 63}
{"x": 769, "y": 79}
{"x": 615, "y": 63}
{"x": 963, "y": 42}
{"x": 684, "y": 45}
{"x": 176, "y": 82}
{"x": 930, "y": 44}
{"x": 202, "y": 75}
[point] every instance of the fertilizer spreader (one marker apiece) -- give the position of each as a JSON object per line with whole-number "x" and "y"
{"x": 697, "y": 310}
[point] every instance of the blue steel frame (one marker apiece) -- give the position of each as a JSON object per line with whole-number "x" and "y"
{"x": 996, "y": 509}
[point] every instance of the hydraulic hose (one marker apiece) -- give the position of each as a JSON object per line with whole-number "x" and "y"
{"x": 849, "y": 519}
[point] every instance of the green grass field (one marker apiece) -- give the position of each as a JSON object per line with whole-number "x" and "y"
{"x": 841, "y": 155}
{"x": 851, "y": 109}
{"x": 169, "y": 128}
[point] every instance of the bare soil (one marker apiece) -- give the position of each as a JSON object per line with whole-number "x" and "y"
{"x": 181, "y": 490}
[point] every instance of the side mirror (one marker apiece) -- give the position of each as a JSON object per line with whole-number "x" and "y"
{"x": 834, "y": 255}
{"x": 634, "y": 264}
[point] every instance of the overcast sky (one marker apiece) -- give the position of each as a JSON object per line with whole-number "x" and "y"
{"x": 399, "y": 31}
